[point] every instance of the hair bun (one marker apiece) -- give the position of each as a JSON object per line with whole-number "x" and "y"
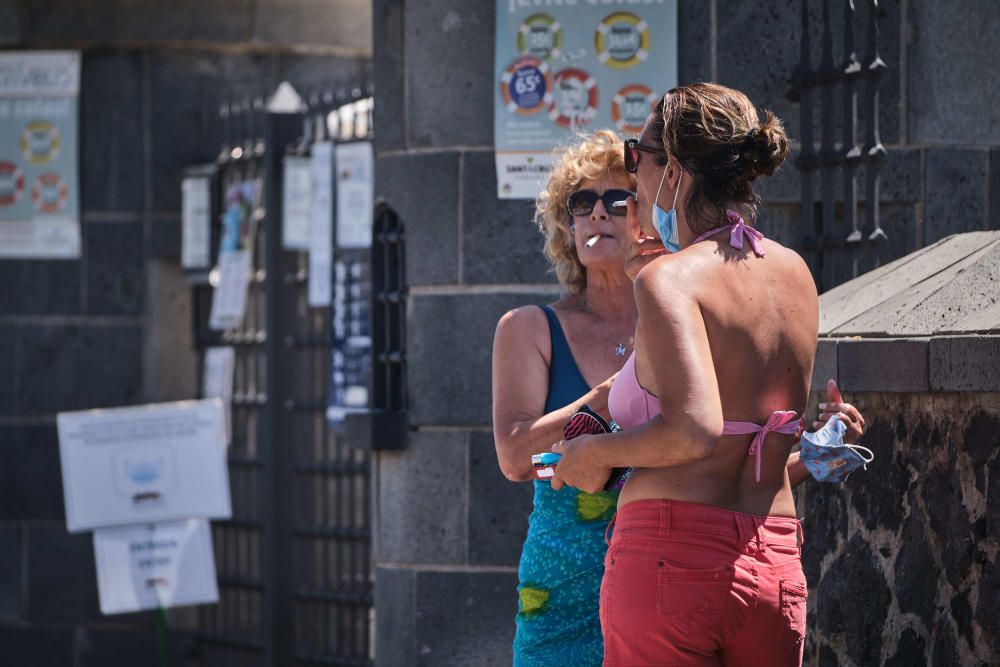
{"x": 765, "y": 147}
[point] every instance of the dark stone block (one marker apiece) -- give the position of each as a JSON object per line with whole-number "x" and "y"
{"x": 185, "y": 90}
{"x": 465, "y": 618}
{"x": 422, "y": 500}
{"x": 11, "y": 571}
{"x": 62, "y": 576}
{"x": 37, "y": 647}
{"x": 917, "y": 574}
{"x": 910, "y": 650}
{"x": 405, "y": 182}
{"x": 945, "y": 650}
{"x": 165, "y": 240}
{"x": 30, "y": 475}
{"x": 942, "y": 493}
{"x": 111, "y": 132}
{"x": 122, "y": 21}
{"x": 965, "y": 363}
{"x": 875, "y": 491}
{"x": 961, "y": 613}
{"x": 824, "y": 525}
{"x": 116, "y": 281}
{"x": 993, "y": 501}
{"x": 388, "y": 70}
{"x": 8, "y": 370}
{"x": 395, "y": 638}
{"x": 993, "y": 221}
{"x": 75, "y": 368}
{"x": 956, "y": 191}
{"x": 39, "y": 287}
{"x": 897, "y": 365}
{"x": 827, "y": 657}
{"x": 825, "y": 366}
{"x": 694, "y": 53}
{"x": 855, "y": 575}
{"x": 988, "y": 606}
{"x": 945, "y": 55}
{"x": 10, "y": 23}
{"x": 900, "y": 176}
{"x": 455, "y": 332}
{"x": 498, "y": 508}
{"x": 449, "y": 66}
{"x": 344, "y": 24}
{"x": 500, "y": 242}
{"x": 758, "y": 47}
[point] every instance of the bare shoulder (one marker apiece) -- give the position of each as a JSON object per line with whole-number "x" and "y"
{"x": 668, "y": 274}
{"x": 793, "y": 266}
{"x": 524, "y": 327}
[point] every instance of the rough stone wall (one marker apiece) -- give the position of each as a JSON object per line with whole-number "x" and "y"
{"x": 113, "y": 327}
{"x": 903, "y": 560}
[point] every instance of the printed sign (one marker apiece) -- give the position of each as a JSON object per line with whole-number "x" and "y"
{"x": 355, "y": 194}
{"x": 229, "y": 299}
{"x": 321, "y": 227}
{"x": 39, "y": 184}
{"x": 196, "y": 222}
{"x": 155, "y": 566}
{"x": 567, "y": 68}
{"x": 296, "y": 203}
{"x": 143, "y": 464}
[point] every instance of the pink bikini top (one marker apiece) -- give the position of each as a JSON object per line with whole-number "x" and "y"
{"x": 631, "y": 405}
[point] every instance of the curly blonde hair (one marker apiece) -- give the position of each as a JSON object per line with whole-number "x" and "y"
{"x": 593, "y": 156}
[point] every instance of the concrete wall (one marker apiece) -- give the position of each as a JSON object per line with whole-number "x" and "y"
{"x": 450, "y": 526}
{"x": 113, "y": 328}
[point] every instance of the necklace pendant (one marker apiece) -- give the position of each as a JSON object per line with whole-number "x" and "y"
{"x": 620, "y": 350}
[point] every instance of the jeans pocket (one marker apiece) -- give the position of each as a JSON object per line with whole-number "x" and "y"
{"x": 691, "y": 599}
{"x": 793, "y": 613}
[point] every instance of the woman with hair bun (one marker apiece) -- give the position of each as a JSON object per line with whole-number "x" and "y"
{"x": 704, "y": 562}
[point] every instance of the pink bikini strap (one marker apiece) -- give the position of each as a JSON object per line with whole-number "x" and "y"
{"x": 780, "y": 421}
{"x": 738, "y": 229}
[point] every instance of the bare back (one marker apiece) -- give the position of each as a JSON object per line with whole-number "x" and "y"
{"x": 760, "y": 315}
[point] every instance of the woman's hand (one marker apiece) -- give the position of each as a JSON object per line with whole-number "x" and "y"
{"x": 577, "y": 467}
{"x": 849, "y": 415}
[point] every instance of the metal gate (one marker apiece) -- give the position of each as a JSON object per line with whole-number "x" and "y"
{"x": 294, "y": 573}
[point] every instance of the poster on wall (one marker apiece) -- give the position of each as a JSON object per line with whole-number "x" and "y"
{"x": 196, "y": 220}
{"x": 155, "y": 566}
{"x": 321, "y": 227}
{"x": 39, "y": 184}
{"x": 239, "y": 221}
{"x": 563, "y": 69}
{"x": 296, "y": 202}
{"x": 355, "y": 194}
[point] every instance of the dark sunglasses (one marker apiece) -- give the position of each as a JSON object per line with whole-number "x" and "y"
{"x": 582, "y": 202}
{"x": 632, "y": 148}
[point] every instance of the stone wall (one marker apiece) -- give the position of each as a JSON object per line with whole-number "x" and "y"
{"x": 903, "y": 560}
{"x": 113, "y": 327}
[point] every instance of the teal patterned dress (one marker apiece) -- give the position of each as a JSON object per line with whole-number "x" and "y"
{"x": 562, "y": 561}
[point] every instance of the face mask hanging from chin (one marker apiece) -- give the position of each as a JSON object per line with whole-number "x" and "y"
{"x": 665, "y": 222}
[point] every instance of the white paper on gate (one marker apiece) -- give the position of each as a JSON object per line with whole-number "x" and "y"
{"x": 144, "y": 464}
{"x": 229, "y": 299}
{"x": 217, "y": 381}
{"x": 321, "y": 229}
{"x": 196, "y": 223}
{"x": 355, "y": 194}
{"x": 296, "y": 203}
{"x": 158, "y": 565}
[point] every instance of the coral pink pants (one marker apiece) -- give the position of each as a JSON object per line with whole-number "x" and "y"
{"x": 690, "y": 584}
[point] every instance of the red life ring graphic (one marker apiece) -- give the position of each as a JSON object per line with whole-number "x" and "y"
{"x": 526, "y": 85}
{"x": 11, "y": 183}
{"x": 631, "y": 105}
{"x": 49, "y": 192}
{"x": 574, "y": 98}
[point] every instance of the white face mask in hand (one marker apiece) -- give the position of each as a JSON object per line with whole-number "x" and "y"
{"x": 827, "y": 457}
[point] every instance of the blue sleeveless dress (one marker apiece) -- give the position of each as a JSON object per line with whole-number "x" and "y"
{"x": 562, "y": 561}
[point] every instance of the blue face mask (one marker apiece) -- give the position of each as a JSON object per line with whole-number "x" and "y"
{"x": 827, "y": 457}
{"x": 665, "y": 222}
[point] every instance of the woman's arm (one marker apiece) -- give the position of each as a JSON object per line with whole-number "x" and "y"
{"x": 520, "y": 387}
{"x": 834, "y": 405}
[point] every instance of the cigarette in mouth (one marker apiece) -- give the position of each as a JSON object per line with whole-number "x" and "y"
{"x": 592, "y": 240}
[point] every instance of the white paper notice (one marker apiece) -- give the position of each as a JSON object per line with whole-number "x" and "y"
{"x": 296, "y": 204}
{"x": 229, "y": 300}
{"x": 144, "y": 464}
{"x": 196, "y": 223}
{"x": 355, "y": 194}
{"x": 161, "y": 565}
{"x": 217, "y": 381}
{"x": 321, "y": 229}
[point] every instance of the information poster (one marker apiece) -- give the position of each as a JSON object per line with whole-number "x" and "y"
{"x": 351, "y": 353}
{"x": 143, "y": 464}
{"x": 229, "y": 299}
{"x": 39, "y": 184}
{"x": 296, "y": 202}
{"x": 355, "y": 194}
{"x": 155, "y": 566}
{"x": 196, "y": 222}
{"x": 568, "y": 67}
{"x": 217, "y": 380}
{"x": 321, "y": 226}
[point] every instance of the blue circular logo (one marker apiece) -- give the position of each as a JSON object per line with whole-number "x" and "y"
{"x": 527, "y": 87}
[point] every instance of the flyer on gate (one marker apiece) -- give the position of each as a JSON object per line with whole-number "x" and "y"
{"x": 564, "y": 68}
